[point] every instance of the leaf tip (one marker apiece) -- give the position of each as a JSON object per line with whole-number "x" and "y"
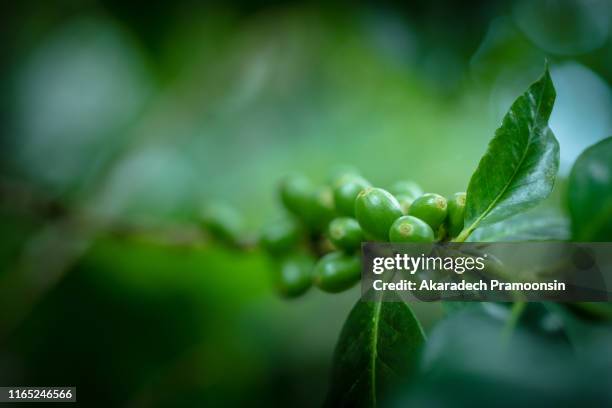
{"x": 546, "y": 75}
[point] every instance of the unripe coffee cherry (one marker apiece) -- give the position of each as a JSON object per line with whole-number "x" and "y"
{"x": 456, "y": 213}
{"x": 294, "y": 275}
{"x": 280, "y": 236}
{"x": 295, "y": 193}
{"x": 340, "y": 172}
{"x": 336, "y": 272}
{"x": 319, "y": 210}
{"x": 345, "y": 233}
{"x": 410, "y": 229}
{"x": 406, "y": 188}
{"x": 376, "y": 209}
{"x": 313, "y": 206}
{"x": 222, "y": 222}
{"x": 346, "y": 190}
{"x": 431, "y": 208}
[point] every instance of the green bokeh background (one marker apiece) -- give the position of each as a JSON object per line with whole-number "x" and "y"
{"x": 145, "y": 112}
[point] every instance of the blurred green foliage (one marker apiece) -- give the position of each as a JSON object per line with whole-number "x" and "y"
{"x": 144, "y": 111}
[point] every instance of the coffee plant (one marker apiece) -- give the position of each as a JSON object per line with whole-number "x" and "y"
{"x": 317, "y": 241}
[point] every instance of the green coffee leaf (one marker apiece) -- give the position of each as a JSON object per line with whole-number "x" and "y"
{"x": 379, "y": 345}
{"x": 466, "y": 364}
{"x": 519, "y": 167}
{"x": 589, "y": 337}
{"x": 596, "y": 310}
{"x": 529, "y": 226}
{"x": 590, "y": 193}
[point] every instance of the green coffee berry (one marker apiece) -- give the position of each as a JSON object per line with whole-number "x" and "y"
{"x": 406, "y": 188}
{"x": 336, "y": 272}
{"x": 319, "y": 209}
{"x": 342, "y": 171}
{"x": 222, "y": 222}
{"x": 410, "y": 229}
{"x": 456, "y": 213}
{"x": 294, "y": 275}
{"x": 280, "y": 236}
{"x": 345, "y": 233}
{"x": 313, "y": 206}
{"x": 431, "y": 208}
{"x": 405, "y": 202}
{"x": 376, "y": 209}
{"x": 346, "y": 190}
{"x": 295, "y": 192}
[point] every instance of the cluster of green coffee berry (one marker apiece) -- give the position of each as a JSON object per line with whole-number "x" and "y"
{"x": 330, "y": 222}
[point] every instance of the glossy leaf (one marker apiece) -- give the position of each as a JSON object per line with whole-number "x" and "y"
{"x": 529, "y": 226}
{"x": 591, "y": 338}
{"x": 481, "y": 325}
{"x": 519, "y": 167}
{"x": 379, "y": 346}
{"x": 467, "y": 363}
{"x": 590, "y": 193}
